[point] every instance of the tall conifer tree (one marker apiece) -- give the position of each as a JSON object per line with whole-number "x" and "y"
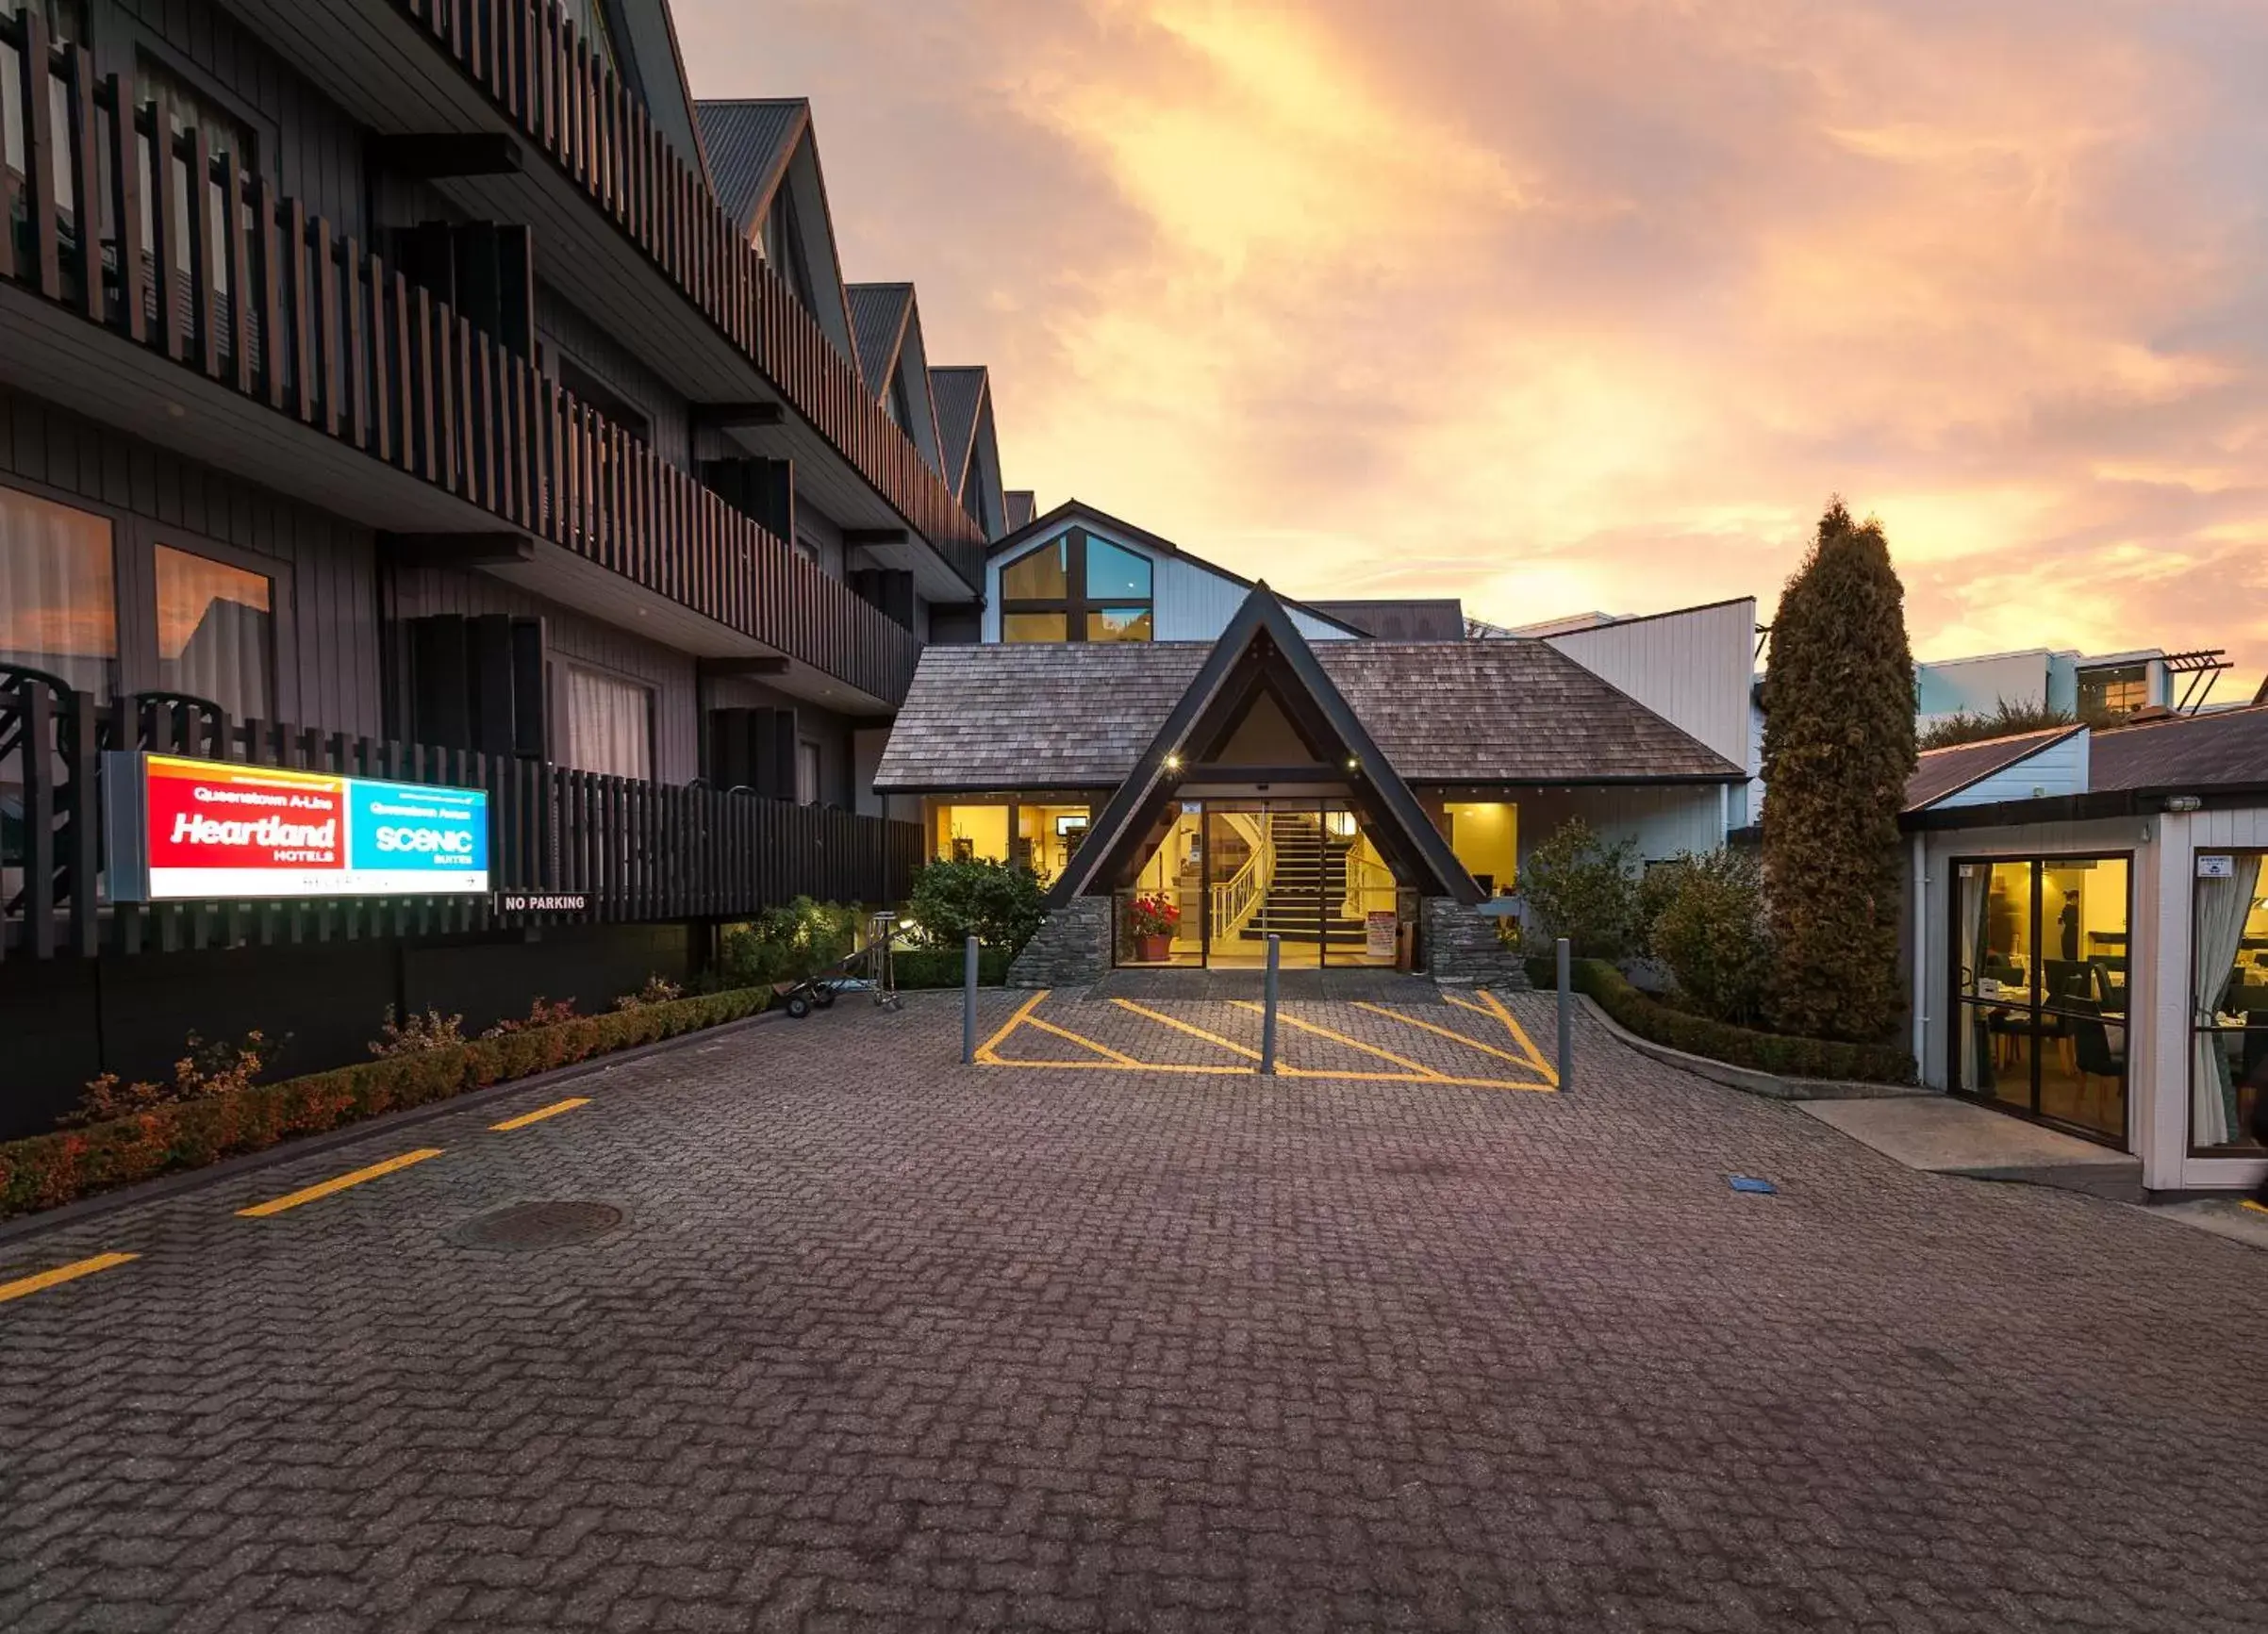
{"x": 1838, "y": 749}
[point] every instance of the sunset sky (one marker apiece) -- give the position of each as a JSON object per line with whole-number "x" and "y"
{"x": 1558, "y": 306}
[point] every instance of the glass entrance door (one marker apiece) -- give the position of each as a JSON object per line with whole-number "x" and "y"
{"x": 2039, "y": 989}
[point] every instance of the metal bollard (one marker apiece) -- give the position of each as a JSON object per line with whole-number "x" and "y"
{"x": 1566, "y": 1015}
{"x": 968, "y": 1006}
{"x": 1268, "y": 1007}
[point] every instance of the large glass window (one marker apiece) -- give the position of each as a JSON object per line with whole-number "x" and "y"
{"x": 59, "y": 596}
{"x": 609, "y": 724}
{"x": 2040, "y": 974}
{"x": 216, "y": 632}
{"x": 2115, "y": 690}
{"x": 2229, "y": 1001}
{"x": 1077, "y": 587}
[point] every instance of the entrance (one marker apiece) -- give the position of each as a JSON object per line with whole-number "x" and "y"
{"x": 2040, "y": 970}
{"x": 1228, "y": 874}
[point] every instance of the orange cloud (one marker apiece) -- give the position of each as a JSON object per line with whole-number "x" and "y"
{"x": 1559, "y": 305}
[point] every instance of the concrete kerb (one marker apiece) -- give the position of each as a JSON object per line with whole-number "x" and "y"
{"x": 182, "y": 1181}
{"x": 1748, "y": 1079}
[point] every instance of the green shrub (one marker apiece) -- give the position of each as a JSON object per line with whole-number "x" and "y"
{"x": 921, "y": 967}
{"x": 1711, "y": 934}
{"x": 1580, "y": 887}
{"x": 1722, "y": 1041}
{"x": 785, "y": 944}
{"x": 999, "y": 903}
{"x": 1656, "y": 888}
{"x": 49, "y": 1170}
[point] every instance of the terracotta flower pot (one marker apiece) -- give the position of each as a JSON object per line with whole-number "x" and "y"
{"x": 1153, "y": 950}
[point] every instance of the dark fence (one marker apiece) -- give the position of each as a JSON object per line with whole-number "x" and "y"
{"x": 279, "y": 309}
{"x": 537, "y": 71}
{"x": 637, "y": 850}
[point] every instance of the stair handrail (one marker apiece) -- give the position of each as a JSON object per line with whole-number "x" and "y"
{"x": 1238, "y": 897}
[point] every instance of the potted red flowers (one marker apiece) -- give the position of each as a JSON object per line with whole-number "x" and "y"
{"x": 1154, "y": 920}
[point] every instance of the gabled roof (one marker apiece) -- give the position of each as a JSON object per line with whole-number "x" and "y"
{"x": 1409, "y": 619}
{"x": 879, "y": 314}
{"x": 653, "y": 68}
{"x": 1076, "y": 715}
{"x": 960, "y": 395}
{"x": 1019, "y": 506}
{"x": 1075, "y": 512}
{"x": 749, "y": 144}
{"x": 886, "y": 318}
{"x": 1261, "y": 651}
{"x": 1939, "y": 773}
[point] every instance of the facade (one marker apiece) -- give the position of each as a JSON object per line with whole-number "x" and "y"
{"x": 2101, "y": 687}
{"x": 2088, "y": 919}
{"x": 438, "y": 394}
{"x": 1207, "y": 764}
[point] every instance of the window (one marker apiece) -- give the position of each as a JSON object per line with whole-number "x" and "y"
{"x": 609, "y": 724}
{"x": 2040, "y": 976}
{"x": 2116, "y": 692}
{"x": 806, "y": 772}
{"x": 216, "y": 632}
{"x": 192, "y": 110}
{"x": 1077, "y": 587}
{"x": 58, "y": 593}
{"x": 2228, "y": 1000}
{"x": 782, "y": 242}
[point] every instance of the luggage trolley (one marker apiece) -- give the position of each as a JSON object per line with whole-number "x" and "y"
{"x": 871, "y": 969}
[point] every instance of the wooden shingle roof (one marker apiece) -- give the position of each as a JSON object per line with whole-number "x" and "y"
{"x": 1078, "y": 715}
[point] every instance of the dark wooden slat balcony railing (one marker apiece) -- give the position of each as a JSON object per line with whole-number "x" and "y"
{"x": 284, "y": 311}
{"x": 639, "y": 852}
{"x": 529, "y": 60}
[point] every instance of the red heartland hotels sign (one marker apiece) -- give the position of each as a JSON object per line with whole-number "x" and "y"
{"x": 200, "y": 829}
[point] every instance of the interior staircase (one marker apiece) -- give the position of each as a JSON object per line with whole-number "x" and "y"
{"x": 1307, "y": 895}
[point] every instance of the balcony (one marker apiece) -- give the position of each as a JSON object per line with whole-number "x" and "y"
{"x": 276, "y": 350}
{"x": 632, "y": 232}
{"x": 633, "y": 851}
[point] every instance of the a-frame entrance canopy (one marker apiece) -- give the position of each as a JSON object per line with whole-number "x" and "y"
{"x": 1262, "y": 693}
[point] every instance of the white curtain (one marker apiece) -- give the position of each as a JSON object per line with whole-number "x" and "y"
{"x": 609, "y": 724}
{"x": 1973, "y": 877}
{"x": 2223, "y": 905}
{"x": 216, "y": 632}
{"x": 59, "y": 606}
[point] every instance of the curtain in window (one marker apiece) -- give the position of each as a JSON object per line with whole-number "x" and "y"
{"x": 609, "y": 724}
{"x": 2223, "y": 906}
{"x": 59, "y": 601}
{"x": 1973, "y": 910}
{"x": 216, "y": 632}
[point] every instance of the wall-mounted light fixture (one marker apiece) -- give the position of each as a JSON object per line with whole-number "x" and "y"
{"x": 2182, "y": 802}
{"x": 1173, "y": 761}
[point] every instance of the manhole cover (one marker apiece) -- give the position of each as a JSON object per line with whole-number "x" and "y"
{"x": 546, "y": 1225}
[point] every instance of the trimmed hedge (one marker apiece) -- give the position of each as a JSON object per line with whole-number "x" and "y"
{"x": 1664, "y": 1024}
{"x": 943, "y": 967}
{"x": 46, "y": 1171}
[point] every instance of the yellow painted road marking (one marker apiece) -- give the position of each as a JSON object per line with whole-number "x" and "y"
{"x": 70, "y": 1273}
{"x": 1444, "y": 1031}
{"x": 542, "y": 1112}
{"x": 1401, "y": 1061}
{"x": 1227, "y": 1044}
{"x": 1214, "y": 1070}
{"x": 984, "y": 1050}
{"x": 1496, "y": 1010}
{"x": 1069, "y": 1036}
{"x": 292, "y": 1199}
{"x": 2256, "y": 1207}
{"x": 1431, "y": 1080}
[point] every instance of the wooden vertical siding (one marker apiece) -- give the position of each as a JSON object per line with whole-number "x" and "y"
{"x": 535, "y": 70}
{"x": 314, "y": 326}
{"x": 636, "y": 850}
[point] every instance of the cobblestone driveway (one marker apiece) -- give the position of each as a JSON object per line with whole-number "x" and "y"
{"x": 884, "y": 1341}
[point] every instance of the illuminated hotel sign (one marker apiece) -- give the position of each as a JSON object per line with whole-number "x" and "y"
{"x": 205, "y": 829}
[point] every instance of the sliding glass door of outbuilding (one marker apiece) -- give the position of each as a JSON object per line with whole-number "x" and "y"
{"x": 2040, "y": 968}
